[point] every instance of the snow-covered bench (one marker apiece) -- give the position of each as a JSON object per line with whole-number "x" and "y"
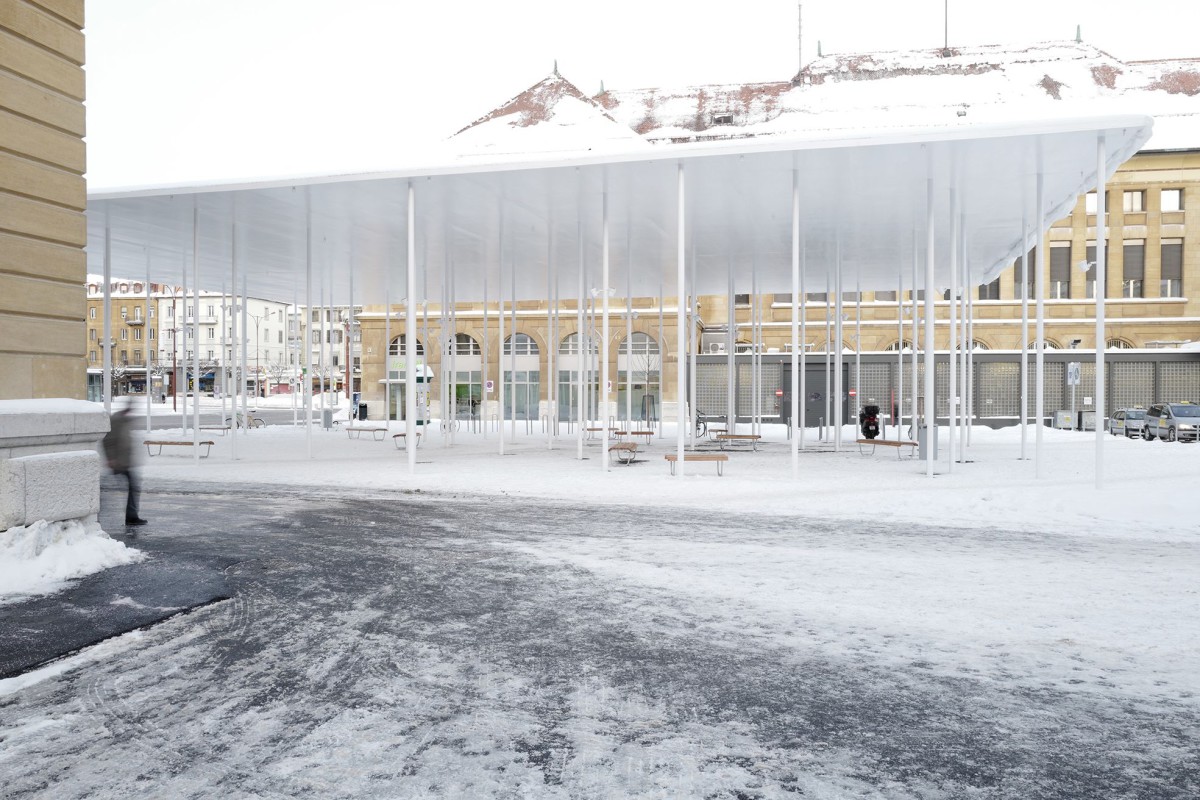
{"x": 161, "y": 443}
{"x": 356, "y": 431}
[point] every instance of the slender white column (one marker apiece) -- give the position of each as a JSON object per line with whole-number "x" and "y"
{"x": 952, "y": 339}
{"x": 730, "y": 353}
{"x": 604, "y": 333}
{"x": 970, "y": 346}
{"x": 196, "y": 332}
{"x": 500, "y": 393}
{"x": 898, "y": 418}
{"x": 802, "y": 432}
{"x": 234, "y": 428}
{"x": 583, "y": 341}
{"x": 1101, "y": 338}
{"x": 680, "y": 325}
{"x": 1024, "y": 330}
{"x": 1039, "y": 417}
{"x": 839, "y": 390}
{"x": 106, "y": 332}
{"x": 930, "y": 410}
{"x": 828, "y": 419}
{"x": 149, "y": 344}
{"x": 794, "y": 414}
{"x": 308, "y": 305}
{"x": 512, "y": 348}
{"x": 410, "y": 336}
{"x": 915, "y": 334}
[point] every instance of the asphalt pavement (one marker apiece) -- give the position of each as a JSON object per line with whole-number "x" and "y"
{"x": 394, "y": 645}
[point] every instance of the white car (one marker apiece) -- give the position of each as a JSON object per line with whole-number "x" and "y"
{"x": 1127, "y": 422}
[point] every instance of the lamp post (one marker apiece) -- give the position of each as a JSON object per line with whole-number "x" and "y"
{"x": 257, "y": 352}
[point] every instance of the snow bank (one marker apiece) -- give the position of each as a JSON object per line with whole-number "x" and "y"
{"x": 43, "y": 557}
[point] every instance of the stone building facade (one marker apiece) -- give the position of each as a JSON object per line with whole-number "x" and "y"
{"x": 42, "y": 199}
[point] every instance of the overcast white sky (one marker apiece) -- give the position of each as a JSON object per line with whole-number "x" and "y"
{"x": 195, "y": 89}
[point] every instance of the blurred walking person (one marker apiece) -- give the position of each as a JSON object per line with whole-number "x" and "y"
{"x": 122, "y": 459}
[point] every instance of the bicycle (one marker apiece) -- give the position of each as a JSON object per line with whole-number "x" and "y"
{"x": 245, "y": 420}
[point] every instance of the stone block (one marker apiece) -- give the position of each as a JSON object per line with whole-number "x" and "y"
{"x": 51, "y": 487}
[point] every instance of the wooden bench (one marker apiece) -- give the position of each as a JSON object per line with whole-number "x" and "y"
{"x": 592, "y": 433}
{"x": 161, "y": 443}
{"x": 401, "y": 438}
{"x": 356, "y": 431}
{"x": 725, "y": 438}
{"x": 222, "y": 428}
{"x": 626, "y": 451}
{"x": 886, "y": 443}
{"x": 719, "y": 458}
{"x": 647, "y": 435}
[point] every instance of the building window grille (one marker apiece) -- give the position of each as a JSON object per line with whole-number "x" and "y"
{"x": 1134, "y": 251}
{"x": 1060, "y": 270}
{"x": 522, "y": 344}
{"x": 399, "y": 348}
{"x": 1171, "y": 283}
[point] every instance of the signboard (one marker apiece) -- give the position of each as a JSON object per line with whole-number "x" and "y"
{"x": 1073, "y": 373}
{"x": 490, "y": 385}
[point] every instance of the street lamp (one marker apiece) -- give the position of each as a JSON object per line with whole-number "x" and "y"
{"x": 257, "y": 352}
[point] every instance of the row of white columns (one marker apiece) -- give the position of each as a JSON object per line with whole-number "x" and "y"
{"x": 685, "y": 422}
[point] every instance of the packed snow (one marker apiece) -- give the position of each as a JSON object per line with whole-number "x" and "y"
{"x": 533, "y": 625}
{"x": 45, "y": 557}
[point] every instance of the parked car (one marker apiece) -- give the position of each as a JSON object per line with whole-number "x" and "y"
{"x": 1127, "y": 422}
{"x": 1173, "y": 421}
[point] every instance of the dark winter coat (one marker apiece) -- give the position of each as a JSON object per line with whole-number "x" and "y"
{"x": 118, "y": 442}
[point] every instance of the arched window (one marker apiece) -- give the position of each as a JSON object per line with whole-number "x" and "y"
{"x": 642, "y": 345}
{"x": 1118, "y": 344}
{"x": 522, "y": 343}
{"x": 570, "y": 346}
{"x": 1050, "y": 345}
{"x": 976, "y": 344}
{"x": 905, "y": 346}
{"x": 464, "y": 345}
{"x": 398, "y": 348}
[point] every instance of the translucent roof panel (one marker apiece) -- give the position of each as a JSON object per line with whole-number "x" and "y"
{"x": 526, "y": 224}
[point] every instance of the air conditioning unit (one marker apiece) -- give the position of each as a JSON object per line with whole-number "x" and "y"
{"x": 716, "y": 348}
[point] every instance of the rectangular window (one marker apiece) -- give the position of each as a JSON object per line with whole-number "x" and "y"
{"x": 137, "y": 356}
{"x": 188, "y": 311}
{"x": 741, "y": 299}
{"x": 280, "y": 337}
{"x": 92, "y": 356}
{"x": 1134, "y": 202}
{"x": 212, "y": 333}
{"x": 1090, "y": 275}
{"x": 124, "y": 334}
{"x": 1172, "y": 199}
{"x": 1060, "y": 270}
{"x": 1171, "y": 284}
{"x": 1134, "y": 270}
{"x": 815, "y": 297}
{"x": 152, "y": 334}
{"x": 212, "y": 311}
{"x": 171, "y": 310}
{"x": 1089, "y": 203}
{"x": 137, "y": 312}
{"x": 885, "y": 297}
{"x": 92, "y": 334}
{"x": 990, "y": 291}
{"x": 92, "y": 312}
{"x": 137, "y": 334}
{"x": 124, "y": 312}
{"x": 1025, "y": 284}
{"x": 211, "y": 354}
{"x": 124, "y": 356}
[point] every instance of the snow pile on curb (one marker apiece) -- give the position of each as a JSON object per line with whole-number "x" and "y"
{"x": 43, "y": 557}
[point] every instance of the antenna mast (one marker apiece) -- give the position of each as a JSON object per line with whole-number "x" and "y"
{"x": 800, "y": 37}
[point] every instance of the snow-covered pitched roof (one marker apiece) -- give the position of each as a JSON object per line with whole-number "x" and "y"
{"x": 878, "y": 91}
{"x": 551, "y": 116}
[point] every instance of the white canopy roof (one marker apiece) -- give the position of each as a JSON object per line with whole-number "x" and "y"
{"x": 867, "y": 193}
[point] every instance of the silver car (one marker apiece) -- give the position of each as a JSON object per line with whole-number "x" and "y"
{"x": 1173, "y": 421}
{"x": 1127, "y": 422}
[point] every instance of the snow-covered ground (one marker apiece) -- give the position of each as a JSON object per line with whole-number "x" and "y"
{"x": 530, "y": 625}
